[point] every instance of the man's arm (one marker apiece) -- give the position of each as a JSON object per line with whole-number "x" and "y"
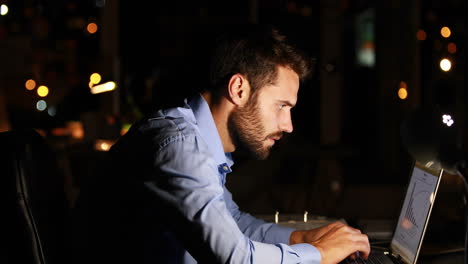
{"x": 186, "y": 185}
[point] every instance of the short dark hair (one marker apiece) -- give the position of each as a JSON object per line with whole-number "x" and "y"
{"x": 255, "y": 51}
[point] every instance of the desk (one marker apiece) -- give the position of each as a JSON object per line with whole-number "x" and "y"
{"x": 380, "y": 234}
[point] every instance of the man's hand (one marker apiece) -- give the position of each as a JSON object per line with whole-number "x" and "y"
{"x": 307, "y": 236}
{"x": 335, "y": 241}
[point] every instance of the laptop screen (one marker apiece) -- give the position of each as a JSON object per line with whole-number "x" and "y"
{"x": 414, "y": 215}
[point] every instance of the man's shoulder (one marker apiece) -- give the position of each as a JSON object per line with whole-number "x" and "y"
{"x": 165, "y": 126}
{"x": 170, "y": 121}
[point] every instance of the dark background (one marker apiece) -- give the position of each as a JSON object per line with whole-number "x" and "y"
{"x": 346, "y": 143}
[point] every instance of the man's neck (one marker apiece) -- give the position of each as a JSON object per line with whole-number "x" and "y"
{"x": 220, "y": 110}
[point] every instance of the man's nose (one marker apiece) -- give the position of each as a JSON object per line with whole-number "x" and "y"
{"x": 286, "y": 123}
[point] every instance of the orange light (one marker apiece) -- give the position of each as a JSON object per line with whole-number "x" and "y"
{"x": 95, "y": 78}
{"x": 104, "y": 87}
{"x": 445, "y": 32}
{"x": 103, "y": 145}
{"x": 42, "y": 91}
{"x": 403, "y": 90}
{"x": 452, "y": 47}
{"x": 75, "y": 129}
{"x": 30, "y": 84}
{"x": 402, "y": 93}
{"x": 421, "y": 35}
{"x": 92, "y": 28}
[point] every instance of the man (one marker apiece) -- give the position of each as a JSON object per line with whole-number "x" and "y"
{"x": 174, "y": 207}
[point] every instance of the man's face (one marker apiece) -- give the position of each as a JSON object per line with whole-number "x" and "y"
{"x": 263, "y": 119}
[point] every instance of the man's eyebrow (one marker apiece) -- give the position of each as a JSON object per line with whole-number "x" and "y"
{"x": 286, "y": 102}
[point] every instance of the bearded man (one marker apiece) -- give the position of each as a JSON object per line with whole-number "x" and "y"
{"x": 175, "y": 207}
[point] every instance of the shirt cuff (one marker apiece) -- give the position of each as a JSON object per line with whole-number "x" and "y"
{"x": 308, "y": 253}
{"x": 279, "y": 234}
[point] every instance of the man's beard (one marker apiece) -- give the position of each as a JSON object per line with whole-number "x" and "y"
{"x": 247, "y": 131}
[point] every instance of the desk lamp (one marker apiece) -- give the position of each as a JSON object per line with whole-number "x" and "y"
{"x": 434, "y": 139}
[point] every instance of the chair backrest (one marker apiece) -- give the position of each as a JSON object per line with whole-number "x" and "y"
{"x": 35, "y": 214}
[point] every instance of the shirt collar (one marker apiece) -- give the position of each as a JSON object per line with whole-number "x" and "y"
{"x": 209, "y": 132}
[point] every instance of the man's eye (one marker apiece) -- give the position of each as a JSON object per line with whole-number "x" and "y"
{"x": 281, "y": 106}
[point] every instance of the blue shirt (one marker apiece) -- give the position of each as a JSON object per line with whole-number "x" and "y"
{"x": 203, "y": 219}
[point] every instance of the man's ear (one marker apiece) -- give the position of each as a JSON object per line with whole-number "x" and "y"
{"x": 239, "y": 89}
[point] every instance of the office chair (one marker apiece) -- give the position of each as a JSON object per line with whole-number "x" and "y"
{"x": 34, "y": 212}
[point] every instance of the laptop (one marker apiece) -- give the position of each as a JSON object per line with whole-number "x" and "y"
{"x": 409, "y": 232}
